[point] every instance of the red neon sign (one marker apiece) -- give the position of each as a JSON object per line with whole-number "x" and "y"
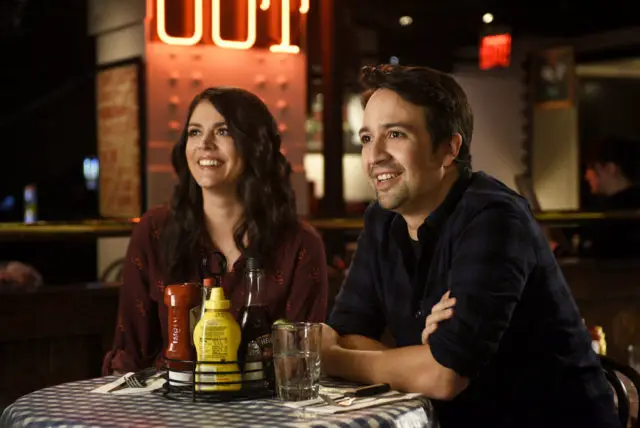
{"x": 495, "y": 51}
{"x": 216, "y": 19}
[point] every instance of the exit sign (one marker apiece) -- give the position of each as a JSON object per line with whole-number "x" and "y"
{"x": 495, "y": 51}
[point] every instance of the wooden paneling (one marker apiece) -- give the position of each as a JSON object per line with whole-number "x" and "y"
{"x": 608, "y": 294}
{"x": 54, "y": 335}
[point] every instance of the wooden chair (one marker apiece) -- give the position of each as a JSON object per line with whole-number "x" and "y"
{"x": 613, "y": 370}
{"x": 113, "y": 272}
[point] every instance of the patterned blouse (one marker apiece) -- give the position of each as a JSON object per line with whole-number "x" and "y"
{"x": 296, "y": 290}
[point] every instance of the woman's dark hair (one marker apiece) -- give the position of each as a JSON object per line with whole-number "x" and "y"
{"x": 447, "y": 107}
{"x": 264, "y": 186}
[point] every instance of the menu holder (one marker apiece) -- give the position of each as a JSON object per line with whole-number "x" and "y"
{"x": 190, "y": 383}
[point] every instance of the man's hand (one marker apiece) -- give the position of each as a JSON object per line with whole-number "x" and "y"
{"x": 443, "y": 310}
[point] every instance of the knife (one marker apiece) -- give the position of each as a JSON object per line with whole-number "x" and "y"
{"x": 369, "y": 390}
{"x": 349, "y": 397}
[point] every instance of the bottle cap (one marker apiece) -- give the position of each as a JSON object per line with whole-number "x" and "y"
{"x": 254, "y": 263}
{"x": 208, "y": 282}
{"x": 217, "y": 300}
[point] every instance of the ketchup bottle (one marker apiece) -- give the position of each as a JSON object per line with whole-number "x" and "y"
{"x": 180, "y": 300}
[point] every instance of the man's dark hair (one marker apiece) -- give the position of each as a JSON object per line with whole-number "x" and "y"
{"x": 447, "y": 109}
{"x": 620, "y": 151}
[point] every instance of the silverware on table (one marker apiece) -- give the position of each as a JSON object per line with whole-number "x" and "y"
{"x": 349, "y": 397}
{"x": 343, "y": 401}
{"x": 139, "y": 378}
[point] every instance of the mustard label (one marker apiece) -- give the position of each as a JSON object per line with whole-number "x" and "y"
{"x": 215, "y": 345}
{"x": 217, "y": 337}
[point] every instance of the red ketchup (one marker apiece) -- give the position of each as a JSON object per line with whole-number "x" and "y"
{"x": 180, "y": 300}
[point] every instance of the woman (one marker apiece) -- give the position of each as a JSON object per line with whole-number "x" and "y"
{"x": 233, "y": 196}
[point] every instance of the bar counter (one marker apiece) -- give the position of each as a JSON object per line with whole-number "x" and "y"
{"x": 123, "y": 227}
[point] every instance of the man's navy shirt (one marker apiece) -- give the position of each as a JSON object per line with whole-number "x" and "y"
{"x": 516, "y": 332}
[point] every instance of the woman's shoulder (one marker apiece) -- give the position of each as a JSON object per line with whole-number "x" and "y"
{"x": 157, "y": 215}
{"x": 302, "y": 234}
{"x": 300, "y": 244}
{"x": 308, "y": 232}
{"x": 151, "y": 223}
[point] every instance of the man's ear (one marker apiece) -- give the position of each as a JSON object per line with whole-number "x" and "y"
{"x": 452, "y": 149}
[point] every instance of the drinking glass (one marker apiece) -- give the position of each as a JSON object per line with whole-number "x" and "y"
{"x": 296, "y": 356}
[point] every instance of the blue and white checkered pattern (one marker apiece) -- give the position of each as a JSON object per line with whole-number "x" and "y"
{"x": 72, "y": 405}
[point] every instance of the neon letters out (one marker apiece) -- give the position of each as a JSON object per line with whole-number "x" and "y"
{"x": 250, "y": 40}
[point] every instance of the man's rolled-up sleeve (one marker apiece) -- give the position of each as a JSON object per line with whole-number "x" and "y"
{"x": 357, "y": 309}
{"x": 491, "y": 262}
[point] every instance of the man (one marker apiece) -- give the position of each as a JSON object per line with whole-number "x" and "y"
{"x": 614, "y": 175}
{"x": 511, "y": 349}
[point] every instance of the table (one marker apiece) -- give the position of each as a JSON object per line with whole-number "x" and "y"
{"x": 72, "y": 405}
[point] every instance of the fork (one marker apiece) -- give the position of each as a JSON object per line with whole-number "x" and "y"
{"x": 342, "y": 401}
{"x": 346, "y": 401}
{"x": 139, "y": 379}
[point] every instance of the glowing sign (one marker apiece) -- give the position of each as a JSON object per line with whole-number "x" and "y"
{"x": 198, "y": 31}
{"x": 304, "y": 5}
{"x": 232, "y": 44}
{"x": 161, "y": 25}
{"x": 285, "y": 38}
{"x": 495, "y": 51}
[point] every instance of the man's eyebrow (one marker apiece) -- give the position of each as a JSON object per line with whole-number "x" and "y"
{"x": 404, "y": 125}
{"x": 390, "y": 125}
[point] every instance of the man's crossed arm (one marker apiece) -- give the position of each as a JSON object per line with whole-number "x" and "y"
{"x": 366, "y": 360}
{"x": 411, "y": 368}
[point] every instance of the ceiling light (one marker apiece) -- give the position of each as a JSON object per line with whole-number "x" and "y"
{"x": 487, "y": 18}
{"x": 405, "y": 20}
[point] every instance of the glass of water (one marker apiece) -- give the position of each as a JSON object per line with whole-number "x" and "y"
{"x": 296, "y": 356}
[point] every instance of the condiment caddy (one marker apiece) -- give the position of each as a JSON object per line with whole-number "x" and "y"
{"x": 220, "y": 358}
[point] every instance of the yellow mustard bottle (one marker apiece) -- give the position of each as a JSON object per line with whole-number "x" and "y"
{"x": 217, "y": 337}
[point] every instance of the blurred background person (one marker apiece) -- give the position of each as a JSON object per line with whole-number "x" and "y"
{"x": 613, "y": 175}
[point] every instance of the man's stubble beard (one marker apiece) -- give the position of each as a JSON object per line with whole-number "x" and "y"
{"x": 393, "y": 199}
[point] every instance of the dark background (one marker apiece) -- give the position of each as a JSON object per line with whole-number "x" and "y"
{"x": 47, "y": 117}
{"x": 606, "y": 106}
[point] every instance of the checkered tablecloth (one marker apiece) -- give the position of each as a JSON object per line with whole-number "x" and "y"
{"x": 72, "y": 405}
